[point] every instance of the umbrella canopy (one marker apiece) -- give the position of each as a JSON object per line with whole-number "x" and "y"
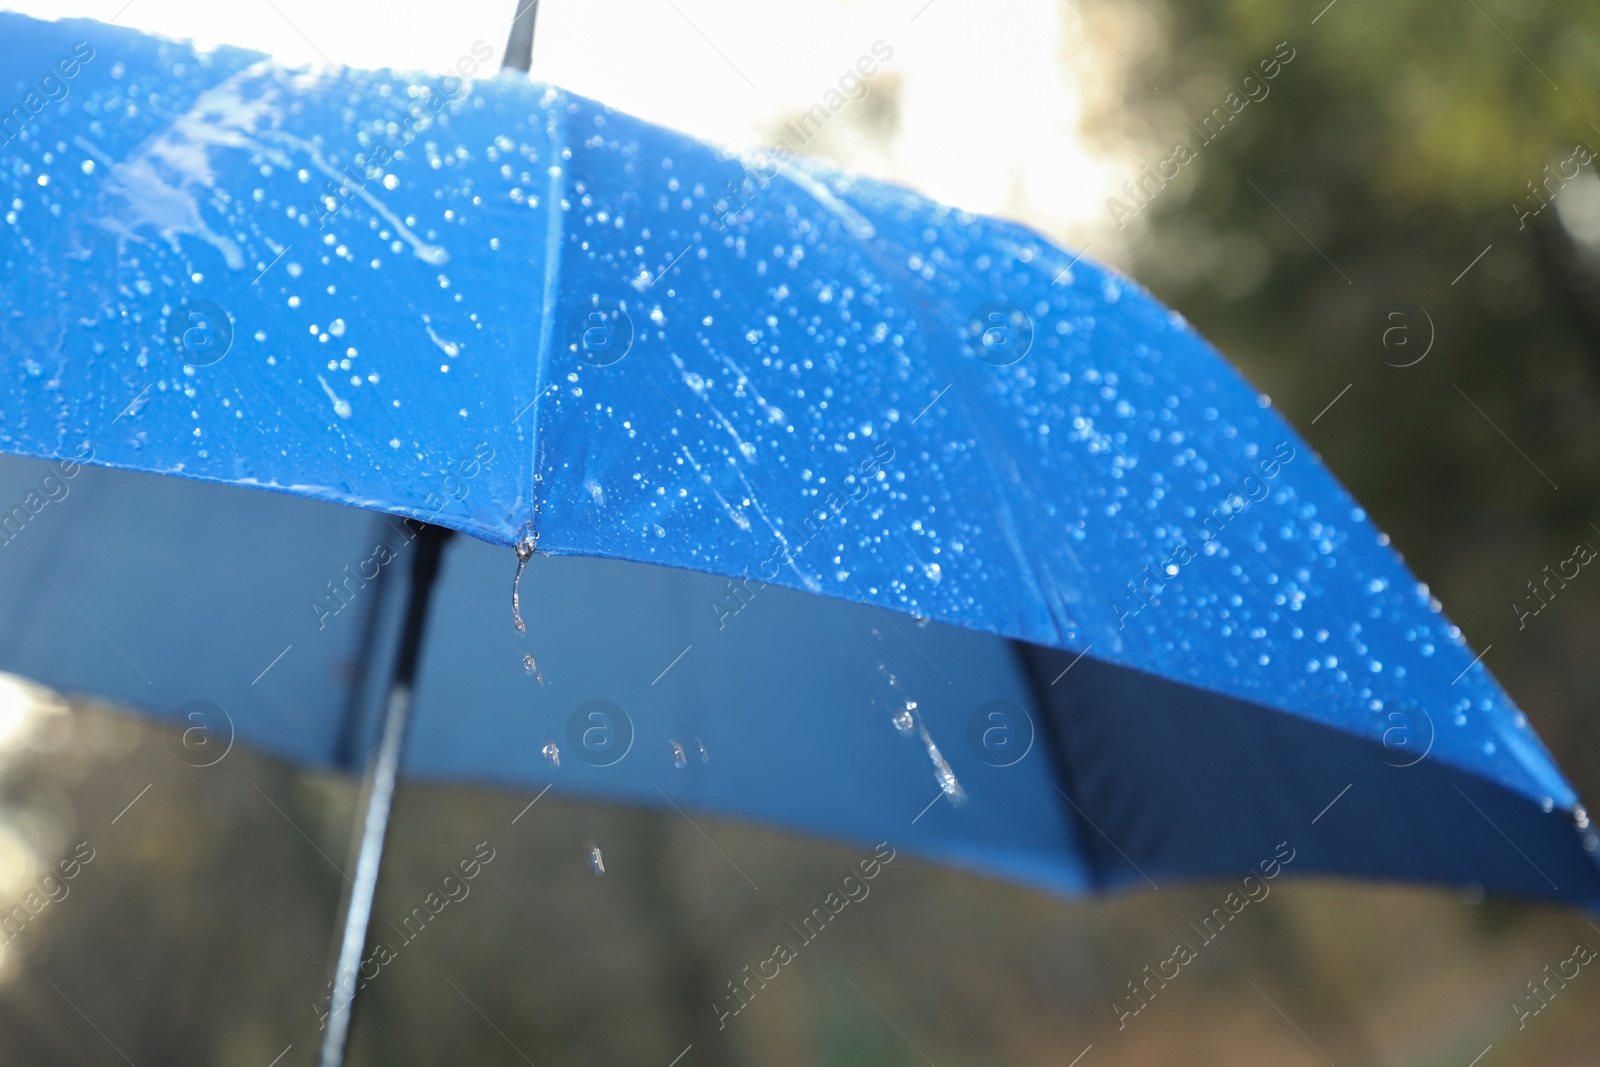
{"x": 516, "y": 313}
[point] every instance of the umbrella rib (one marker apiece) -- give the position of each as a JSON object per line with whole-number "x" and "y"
{"x": 1103, "y": 834}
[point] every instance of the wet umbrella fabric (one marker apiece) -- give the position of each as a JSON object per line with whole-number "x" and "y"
{"x": 828, "y": 406}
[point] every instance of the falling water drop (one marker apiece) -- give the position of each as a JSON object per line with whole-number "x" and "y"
{"x": 524, "y": 553}
{"x": 552, "y": 753}
{"x": 533, "y": 669}
{"x": 888, "y": 676}
{"x": 1547, "y": 804}
{"x": 908, "y": 720}
{"x": 679, "y": 759}
{"x": 705, "y": 757}
{"x": 597, "y": 862}
{"x": 1580, "y": 816}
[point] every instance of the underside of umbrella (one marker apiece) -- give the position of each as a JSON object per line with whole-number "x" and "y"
{"x": 755, "y": 703}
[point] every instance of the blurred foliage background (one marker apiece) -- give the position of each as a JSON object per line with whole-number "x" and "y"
{"x": 1383, "y": 174}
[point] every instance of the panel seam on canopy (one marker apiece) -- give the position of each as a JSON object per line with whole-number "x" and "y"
{"x": 554, "y": 239}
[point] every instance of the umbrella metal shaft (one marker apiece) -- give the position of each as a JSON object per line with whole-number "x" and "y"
{"x": 519, "y": 44}
{"x": 383, "y": 768}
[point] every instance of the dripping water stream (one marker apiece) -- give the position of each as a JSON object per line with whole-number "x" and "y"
{"x": 525, "y": 549}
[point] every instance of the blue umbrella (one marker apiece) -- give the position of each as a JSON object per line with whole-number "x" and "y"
{"x": 965, "y": 542}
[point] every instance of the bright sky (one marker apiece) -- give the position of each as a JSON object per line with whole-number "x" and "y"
{"x": 990, "y": 107}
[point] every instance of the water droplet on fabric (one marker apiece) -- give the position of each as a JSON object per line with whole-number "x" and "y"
{"x": 903, "y": 720}
{"x": 552, "y": 753}
{"x": 680, "y": 760}
{"x": 533, "y": 669}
